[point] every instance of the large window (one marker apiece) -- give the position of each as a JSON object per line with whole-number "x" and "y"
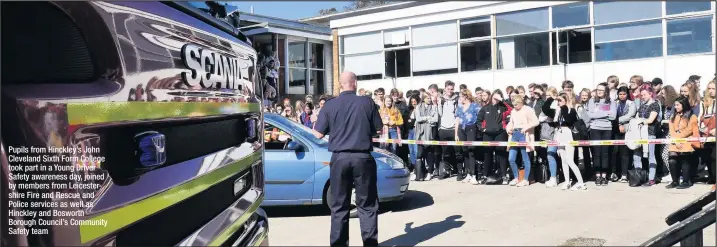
{"x": 398, "y": 63}
{"x": 475, "y": 46}
{"x": 306, "y": 68}
{"x": 435, "y": 51}
{"x": 476, "y": 56}
{"x": 523, "y": 51}
{"x": 623, "y": 11}
{"x": 475, "y": 28}
{"x": 361, "y": 54}
{"x": 576, "y": 14}
{"x": 297, "y": 67}
{"x": 575, "y": 46}
{"x": 396, "y": 37}
{"x": 527, "y": 21}
{"x": 679, "y": 7}
{"x": 365, "y": 66}
{"x": 317, "y": 81}
{"x": 689, "y": 35}
{"x": 628, "y": 41}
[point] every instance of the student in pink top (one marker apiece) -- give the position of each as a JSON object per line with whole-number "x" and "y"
{"x": 520, "y": 128}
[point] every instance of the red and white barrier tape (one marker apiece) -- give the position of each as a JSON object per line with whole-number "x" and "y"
{"x": 548, "y": 143}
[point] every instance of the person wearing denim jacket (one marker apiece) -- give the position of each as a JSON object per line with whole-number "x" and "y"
{"x": 626, "y": 111}
{"x": 601, "y": 111}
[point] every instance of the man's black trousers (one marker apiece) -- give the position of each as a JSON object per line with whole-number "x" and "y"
{"x": 350, "y": 170}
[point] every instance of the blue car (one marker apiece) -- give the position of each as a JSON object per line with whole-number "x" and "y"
{"x": 297, "y": 167}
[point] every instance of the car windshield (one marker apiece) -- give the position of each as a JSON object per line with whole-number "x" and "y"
{"x": 304, "y": 132}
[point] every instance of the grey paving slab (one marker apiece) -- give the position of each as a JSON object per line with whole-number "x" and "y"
{"x": 451, "y": 213}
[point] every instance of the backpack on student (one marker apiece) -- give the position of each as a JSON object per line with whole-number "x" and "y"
{"x": 455, "y": 105}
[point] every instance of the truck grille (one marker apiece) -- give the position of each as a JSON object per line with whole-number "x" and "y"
{"x": 175, "y": 223}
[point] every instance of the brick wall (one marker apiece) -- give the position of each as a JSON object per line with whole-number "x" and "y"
{"x": 335, "y": 61}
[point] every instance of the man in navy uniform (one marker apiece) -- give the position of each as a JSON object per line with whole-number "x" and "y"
{"x": 351, "y": 121}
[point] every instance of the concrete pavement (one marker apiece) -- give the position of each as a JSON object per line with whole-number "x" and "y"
{"x": 451, "y": 213}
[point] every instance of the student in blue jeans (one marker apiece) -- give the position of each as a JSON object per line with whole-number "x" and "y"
{"x": 520, "y": 128}
{"x": 410, "y": 124}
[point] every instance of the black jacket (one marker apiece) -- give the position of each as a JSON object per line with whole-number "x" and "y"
{"x": 491, "y": 118}
{"x": 568, "y": 117}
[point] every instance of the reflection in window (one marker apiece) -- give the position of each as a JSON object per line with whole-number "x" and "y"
{"x": 398, "y": 63}
{"x": 475, "y": 56}
{"x": 523, "y": 51}
{"x": 297, "y": 81}
{"x": 317, "y": 85}
{"x": 526, "y": 21}
{"x": 474, "y": 28}
{"x": 575, "y": 46}
{"x": 297, "y": 53}
{"x": 571, "y": 15}
{"x": 679, "y": 7}
{"x": 620, "y": 11}
{"x": 395, "y": 38}
{"x": 317, "y": 56}
{"x": 628, "y": 41}
{"x": 686, "y": 36}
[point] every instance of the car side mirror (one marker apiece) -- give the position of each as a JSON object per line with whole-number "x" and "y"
{"x": 292, "y": 145}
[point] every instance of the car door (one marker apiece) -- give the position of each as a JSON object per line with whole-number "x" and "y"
{"x": 289, "y": 172}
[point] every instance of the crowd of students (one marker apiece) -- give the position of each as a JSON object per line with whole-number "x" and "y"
{"x": 612, "y": 111}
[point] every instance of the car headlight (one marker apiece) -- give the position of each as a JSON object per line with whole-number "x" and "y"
{"x": 395, "y": 163}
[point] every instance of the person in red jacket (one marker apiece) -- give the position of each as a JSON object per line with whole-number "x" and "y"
{"x": 492, "y": 119}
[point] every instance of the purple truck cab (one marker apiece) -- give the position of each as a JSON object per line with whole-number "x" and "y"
{"x": 128, "y": 124}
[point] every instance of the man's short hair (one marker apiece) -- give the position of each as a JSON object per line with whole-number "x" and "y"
{"x": 531, "y": 85}
{"x": 383, "y": 91}
{"x": 695, "y": 78}
{"x": 463, "y": 86}
{"x": 544, "y": 85}
{"x": 449, "y": 83}
{"x": 478, "y": 89}
{"x": 433, "y": 86}
{"x": 568, "y": 84}
{"x": 656, "y": 81}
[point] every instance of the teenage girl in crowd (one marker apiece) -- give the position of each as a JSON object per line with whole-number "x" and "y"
{"x": 581, "y": 110}
{"x": 667, "y": 97}
{"x": 707, "y": 120}
{"x": 492, "y": 122}
{"x": 649, "y": 111}
{"x": 520, "y": 129}
{"x": 600, "y": 114}
{"x": 548, "y": 115}
{"x": 298, "y": 110}
{"x": 413, "y": 101}
{"x": 683, "y": 124}
{"x": 566, "y": 116}
{"x": 612, "y": 83}
{"x": 425, "y": 116}
{"x": 621, "y": 154}
{"x": 392, "y": 122}
{"x": 465, "y": 130}
{"x": 306, "y": 116}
